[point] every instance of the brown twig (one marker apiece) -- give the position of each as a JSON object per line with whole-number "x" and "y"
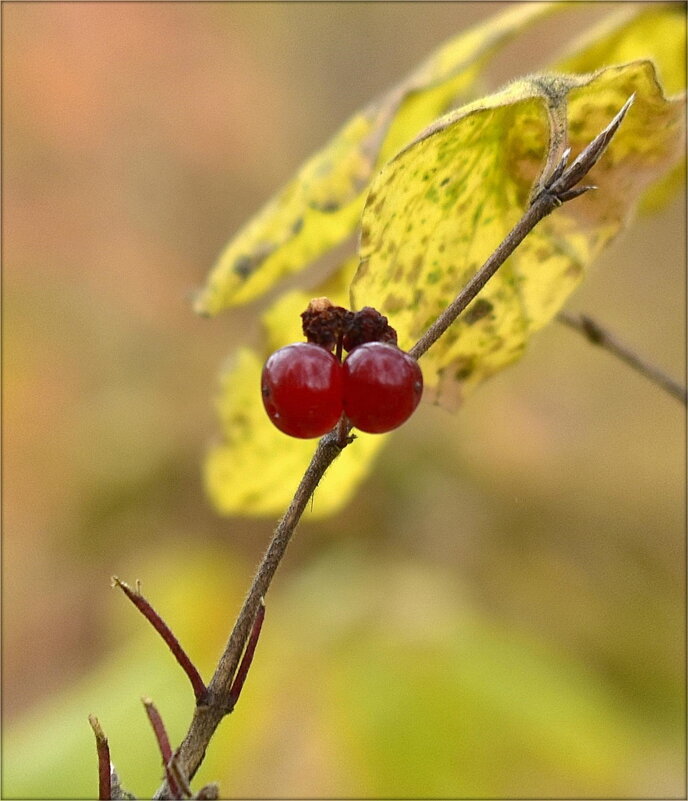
{"x": 165, "y": 632}
{"x": 103, "y": 750}
{"x": 174, "y": 770}
{"x": 601, "y": 336}
{"x": 247, "y": 658}
{"x": 159, "y": 730}
{"x": 558, "y": 189}
{"x": 163, "y": 744}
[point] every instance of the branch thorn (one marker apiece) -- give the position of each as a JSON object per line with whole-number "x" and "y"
{"x": 247, "y": 658}
{"x": 199, "y": 688}
{"x": 103, "y": 751}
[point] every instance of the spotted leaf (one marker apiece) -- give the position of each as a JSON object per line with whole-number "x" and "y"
{"x": 436, "y": 212}
{"x": 321, "y": 206}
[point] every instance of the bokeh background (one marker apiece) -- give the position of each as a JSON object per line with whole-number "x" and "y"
{"x": 500, "y": 610}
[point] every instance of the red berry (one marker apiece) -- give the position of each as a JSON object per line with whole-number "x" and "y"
{"x": 302, "y": 390}
{"x": 382, "y": 387}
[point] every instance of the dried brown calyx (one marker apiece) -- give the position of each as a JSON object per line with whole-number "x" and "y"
{"x": 324, "y": 323}
{"x": 336, "y": 327}
{"x": 368, "y": 325}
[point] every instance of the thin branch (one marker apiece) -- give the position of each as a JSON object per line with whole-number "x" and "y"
{"x": 159, "y": 730}
{"x": 174, "y": 770}
{"x": 599, "y": 335}
{"x": 103, "y": 750}
{"x": 163, "y": 744}
{"x": 558, "y": 189}
{"x": 165, "y": 632}
{"x": 207, "y": 716}
{"x": 247, "y": 658}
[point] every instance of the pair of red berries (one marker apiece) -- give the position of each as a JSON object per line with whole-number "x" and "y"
{"x": 306, "y": 388}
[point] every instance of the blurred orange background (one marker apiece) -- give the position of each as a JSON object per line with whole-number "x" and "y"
{"x": 547, "y": 515}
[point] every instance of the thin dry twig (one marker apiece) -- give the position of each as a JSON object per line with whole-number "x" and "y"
{"x": 165, "y": 632}
{"x": 163, "y": 744}
{"x": 601, "y": 336}
{"x": 158, "y": 729}
{"x": 247, "y": 658}
{"x": 208, "y": 715}
{"x": 558, "y": 189}
{"x": 174, "y": 770}
{"x": 103, "y": 750}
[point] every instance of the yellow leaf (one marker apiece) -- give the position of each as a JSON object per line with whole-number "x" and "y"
{"x": 436, "y": 211}
{"x": 322, "y": 204}
{"x": 656, "y": 33}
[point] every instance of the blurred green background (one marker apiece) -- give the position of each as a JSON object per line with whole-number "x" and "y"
{"x": 499, "y": 612}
